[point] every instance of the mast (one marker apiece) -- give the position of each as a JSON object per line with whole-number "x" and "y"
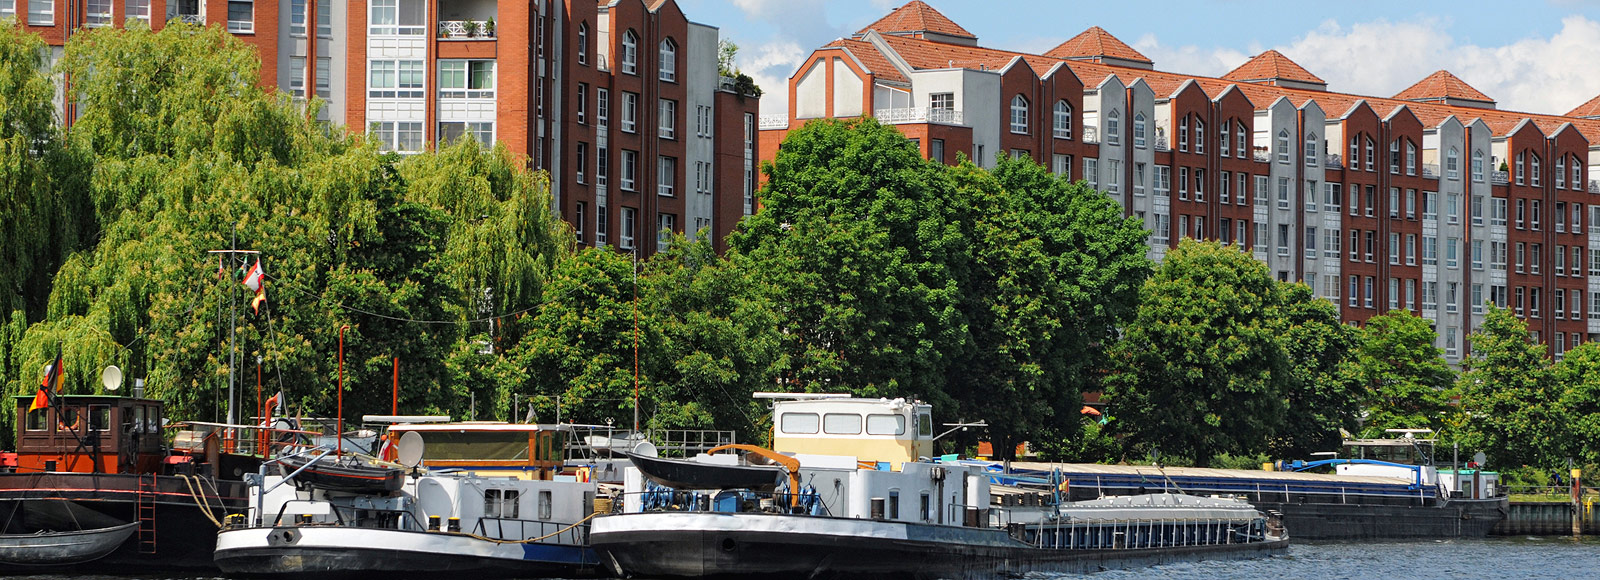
{"x": 233, "y": 321}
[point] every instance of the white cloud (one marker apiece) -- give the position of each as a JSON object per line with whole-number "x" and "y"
{"x": 802, "y": 26}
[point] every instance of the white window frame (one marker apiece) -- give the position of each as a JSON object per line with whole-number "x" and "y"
{"x": 630, "y": 169}
{"x": 94, "y": 18}
{"x": 630, "y": 53}
{"x": 1019, "y": 115}
{"x": 666, "y": 175}
{"x": 630, "y": 112}
{"x": 668, "y": 57}
{"x": 667, "y": 119}
{"x": 449, "y": 69}
{"x": 1061, "y": 119}
{"x": 241, "y": 26}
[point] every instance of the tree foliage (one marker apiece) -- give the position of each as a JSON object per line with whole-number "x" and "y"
{"x": 1406, "y": 380}
{"x": 1200, "y": 370}
{"x": 1509, "y": 398}
{"x": 1323, "y": 396}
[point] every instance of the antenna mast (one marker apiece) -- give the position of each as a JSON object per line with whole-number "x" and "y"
{"x": 233, "y": 319}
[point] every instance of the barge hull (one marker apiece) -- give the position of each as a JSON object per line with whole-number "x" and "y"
{"x": 1332, "y": 521}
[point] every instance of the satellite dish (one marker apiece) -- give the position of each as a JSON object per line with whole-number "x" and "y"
{"x": 1479, "y": 458}
{"x": 645, "y": 448}
{"x": 411, "y": 446}
{"x": 111, "y": 378}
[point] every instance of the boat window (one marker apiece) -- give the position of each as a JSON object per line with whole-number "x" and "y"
{"x": 799, "y": 422}
{"x": 152, "y": 420}
{"x": 544, "y": 504}
{"x": 510, "y": 503}
{"x": 924, "y": 425}
{"x": 886, "y": 424}
{"x": 841, "y": 423}
{"x": 37, "y": 420}
{"x": 491, "y": 503}
{"x": 138, "y": 419}
{"x": 927, "y": 507}
{"x": 499, "y": 503}
{"x": 99, "y": 418}
{"x": 894, "y": 505}
{"x": 67, "y": 420}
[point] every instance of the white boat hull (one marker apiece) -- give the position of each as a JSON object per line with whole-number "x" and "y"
{"x": 329, "y": 550}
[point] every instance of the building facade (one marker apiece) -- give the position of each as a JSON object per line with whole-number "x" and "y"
{"x": 622, "y": 102}
{"x": 1432, "y": 200}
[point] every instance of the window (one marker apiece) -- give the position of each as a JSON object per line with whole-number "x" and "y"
{"x": 1160, "y": 230}
{"x": 1394, "y": 293}
{"x": 1331, "y": 243}
{"x": 602, "y": 103}
{"x": 1283, "y": 193}
{"x": 886, "y": 425}
{"x": 1533, "y": 171}
{"x": 669, "y": 61}
{"x": 241, "y": 16}
{"x": 396, "y": 18}
{"x": 1522, "y": 256}
{"x": 1019, "y": 115}
{"x": 1244, "y": 230}
{"x": 1534, "y": 213}
{"x": 935, "y": 147}
{"x": 601, "y": 217}
{"x": 1450, "y": 252}
{"x": 1238, "y": 140}
{"x": 947, "y": 102}
{"x": 1355, "y": 245}
{"x": 1199, "y": 136}
{"x": 1576, "y": 265}
{"x": 1430, "y": 295}
{"x": 630, "y": 53}
{"x": 666, "y": 225}
{"x": 474, "y": 79}
{"x": 1561, "y": 173}
{"x": 1498, "y": 216}
{"x": 1371, "y": 237}
{"x": 1452, "y": 164}
{"x": 1411, "y": 158}
{"x": 1452, "y": 207}
{"x": 1138, "y": 179}
{"x": 1183, "y": 183}
{"x": 1261, "y": 190}
{"x": 1061, "y": 165}
{"x": 1477, "y": 299}
{"x": 630, "y": 111}
{"x": 1521, "y": 162}
{"x": 602, "y": 166}
{"x": 1311, "y": 242}
{"x": 297, "y": 76}
{"x": 668, "y": 122}
{"x": 1477, "y": 254}
{"x": 1394, "y": 157}
{"x": 1261, "y": 238}
{"x": 583, "y": 43}
{"x": 1477, "y": 210}
{"x": 1370, "y": 165}
{"x": 630, "y": 167}
{"x": 1477, "y": 165}
{"x": 1430, "y": 251}
{"x": 578, "y": 218}
{"x": 666, "y": 175}
{"x": 583, "y": 159}
{"x": 1311, "y": 150}
{"x": 1183, "y": 134}
{"x": 1372, "y": 200}
{"x": 324, "y": 77}
{"x": 1366, "y": 299}
{"x": 1283, "y": 239}
{"x": 1355, "y": 292}
{"x": 1394, "y": 248}
{"x": 1139, "y": 130}
{"x": 1561, "y": 261}
{"x": 841, "y": 424}
{"x": 1114, "y": 176}
{"x": 1222, "y": 140}
{"x": 402, "y": 136}
{"x": 702, "y": 126}
{"x": 1394, "y": 204}
{"x": 583, "y": 99}
{"x": 1355, "y": 199}
{"x": 1244, "y": 178}
{"x": 1060, "y": 119}
{"x": 97, "y": 13}
{"x": 297, "y": 17}
{"x": 1223, "y": 195}
{"x": 139, "y": 9}
{"x": 395, "y": 79}
{"x": 324, "y": 19}
{"x": 1283, "y": 146}
{"x": 1430, "y": 204}
{"x": 1411, "y": 249}
{"x": 629, "y": 222}
{"x": 1091, "y": 172}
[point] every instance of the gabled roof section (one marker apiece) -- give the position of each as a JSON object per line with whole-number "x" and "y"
{"x": 919, "y": 20}
{"x": 1275, "y": 69}
{"x": 1097, "y": 45}
{"x": 1446, "y": 88}
{"x": 877, "y": 64}
{"x": 1589, "y": 110}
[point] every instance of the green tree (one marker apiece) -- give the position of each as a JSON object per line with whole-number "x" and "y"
{"x": 1200, "y": 370}
{"x": 1323, "y": 395}
{"x": 1406, "y": 380}
{"x": 1577, "y": 376}
{"x": 1509, "y": 397}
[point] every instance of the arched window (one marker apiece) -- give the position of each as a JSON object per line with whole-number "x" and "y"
{"x": 669, "y": 61}
{"x": 1283, "y": 146}
{"x": 1061, "y": 120}
{"x": 1561, "y": 172}
{"x": 583, "y": 43}
{"x": 1114, "y": 128}
{"x": 1019, "y": 115}
{"x": 1452, "y": 164}
{"x": 1222, "y": 139}
{"x": 1199, "y": 136}
{"x": 1577, "y": 174}
{"x": 630, "y": 53}
{"x": 1522, "y": 165}
{"x": 1394, "y": 157}
{"x": 1533, "y": 170}
{"x": 1411, "y": 158}
{"x": 1238, "y": 147}
{"x": 1477, "y": 165}
{"x": 1139, "y": 137}
{"x": 1183, "y": 134}
{"x": 1311, "y": 149}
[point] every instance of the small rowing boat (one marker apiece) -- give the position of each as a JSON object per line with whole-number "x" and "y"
{"x": 48, "y": 548}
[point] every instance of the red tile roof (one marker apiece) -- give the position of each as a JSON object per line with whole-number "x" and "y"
{"x": 917, "y": 16}
{"x": 1096, "y": 42}
{"x": 871, "y": 58}
{"x": 923, "y": 54}
{"x": 1589, "y": 109}
{"x": 1442, "y": 85}
{"x": 1272, "y": 65}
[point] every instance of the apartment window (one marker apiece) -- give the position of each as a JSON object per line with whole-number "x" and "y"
{"x": 1199, "y": 136}
{"x": 1394, "y": 205}
{"x": 241, "y": 16}
{"x": 482, "y": 131}
{"x": 1113, "y": 177}
{"x": 630, "y": 167}
{"x": 1533, "y": 170}
{"x": 1238, "y": 140}
{"x": 1534, "y": 294}
{"x": 1283, "y": 193}
{"x": 1561, "y": 173}
{"x": 1244, "y": 230}
{"x": 935, "y": 147}
{"x": 1521, "y": 162}
{"x": 1060, "y": 119}
{"x": 1224, "y": 230}
{"x": 1394, "y": 158}
{"x": 1452, "y": 207}
{"x": 1372, "y": 200}
{"x": 1394, "y": 293}
{"x": 401, "y": 136}
{"x": 1244, "y": 179}
{"x": 1113, "y": 128}
{"x": 1498, "y": 216}
{"x": 1477, "y": 210}
{"x": 1450, "y": 252}
{"x": 583, "y": 160}
{"x": 629, "y": 222}
{"x": 1594, "y": 306}
{"x": 669, "y": 61}
{"x": 1311, "y": 150}
{"x": 1577, "y": 217}
{"x": 1355, "y": 291}
{"x": 324, "y": 19}
{"x": 1477, "y": 254}
{"x": 1430, "y": 295}
{"x": 1283, "y": 239}
{"x": 1062, "y": 166}
{"x": 1430, "y": 204}
{"x": 1311, "y": 242}
{"x": 1223, "y": 195}
{"x": 1222, "y": 140}
{"x": 1410, "y": 296}
{"x": 1477, "y": 299}
{"x": 1283, "y": 146}
{"x": 1183, "y": 134}
{"x": 1355, "y": 199}
{"x": 1355, "y": 245}
{"x": 703, "y": 128}
{"x": 1183, "y": 183}
{"x": 1576, "y": 265}
{"x": 1535, "y": 255}
{"x": 97, "y": 13}
{"x": 602, "y": 166}
{"x": 1521, "y": 299}
{"x": 602, "y": 104}
{"x": 1311, "y": 196}
{"x": 583, "y": 43}
{"x": 947, "y": 102}
{"x": 1452, "y": 164}
{"x": 1372, "y": 242}
{"x": 1522, "y": 256}
{"x": 1138, "y": 179}
{"x": 1160, "y": 232}
{"x": 668, "y": 121}
{"x": 1577, "y": 175}
{"x": 1091, "y": 172}
{"x": 1019, "y": 115}
{"x": 1533, "y": 214}
{"x": 601, "y": 218}
{"x": 1477, "y": 165}
{"x": 630, "y": 111}
{"x": 324, "y": 77}
{"x": 583, "y": 99}
{"x": 1561, "y": 261}
{"x": 1331, "y": 244}
{"x": 666, "y": 175}
{"x": 630, "y": 56}
{"x": 1366, "y": 299}
{"x": 578, "y": 220}
{"x": 297, "y": 17}
{"x": 1332, "y": 196}
{"x": 1139, "y": 127}
{"x": 1261, "y": 190}
{"x": 1394, "y": 248}
{"x": 1355, "y": 152}
{"x": 395, "y": 79}
{"x": 666, "y": 225}
{"x": 1522, "y": 213}
{"x": 297, "y": 76}
{"x": 139, "y": 9}
{"x": 474, "y": 79}
{"x": 1183, "y": 226}
{"x": 396, "y": 18}
{"x": 1261, "y": 238}
{"x": 1370, "y": 147}
{"x": 1411, "y": 158}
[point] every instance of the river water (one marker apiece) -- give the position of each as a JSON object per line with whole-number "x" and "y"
{"x": 1494, "y": 558}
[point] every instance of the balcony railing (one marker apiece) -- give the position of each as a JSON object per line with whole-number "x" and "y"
{"x": 194, "y": 19}
{"x": 1430, "y": 170}
{"x": 1091, "y": 134}
{"x": 1161, "y": 142}
{"x": 1261, "y": 155}
{"x": 731, "y": 85}
{"x": 1594, "y": 186}
{"x": 1332, "y": 161}
{"x": 1500, "y": 178}
{"x": 459, "y": 29}
{"x": 779, "y": 121}
{"x": 918, "y": 115}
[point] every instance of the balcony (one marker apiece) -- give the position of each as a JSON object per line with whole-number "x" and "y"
{"x": 769, "y": 122}
{"x": 731, "y": 85}
{"x": 1091, "y": 134}
{"x": 186, "y": 11}
{"x": 1500, "y": 178}
{"x": 906, "y": 115}
{"x": 1161, "y": 142}
{"x": 1332, "y": 161}
{"x": 466, "y": 29}
{"x": 1261, "y": 155}
{"x": 1430, "y": 170}
{"x": 1594, "y": 186}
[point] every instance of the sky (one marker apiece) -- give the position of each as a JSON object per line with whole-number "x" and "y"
{"x": 1539, "y": 56}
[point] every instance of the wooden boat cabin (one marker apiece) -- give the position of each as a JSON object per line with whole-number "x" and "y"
{"x": 90, "y": 434}
{"x": 893, "y": 431}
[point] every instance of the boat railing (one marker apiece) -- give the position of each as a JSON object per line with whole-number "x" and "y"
{"x": 533, "y": 531}
{"x": 1138, "y": 533}
{"x": 666, "y": 499}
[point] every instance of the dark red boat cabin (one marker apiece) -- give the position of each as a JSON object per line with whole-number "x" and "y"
{"x": 90, "y": 434}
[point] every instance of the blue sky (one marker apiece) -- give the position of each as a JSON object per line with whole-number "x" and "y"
{"x": 1532, "y": 56}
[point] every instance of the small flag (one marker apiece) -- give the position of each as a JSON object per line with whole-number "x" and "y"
{"x": 40, "y": 401}
{"x": 255, "y": 303}
{"x": 255, "y": 279}
{"x": 1087, "y": 410}
{"x": 53, "y": 374}
{"x": 222, "y": 267}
